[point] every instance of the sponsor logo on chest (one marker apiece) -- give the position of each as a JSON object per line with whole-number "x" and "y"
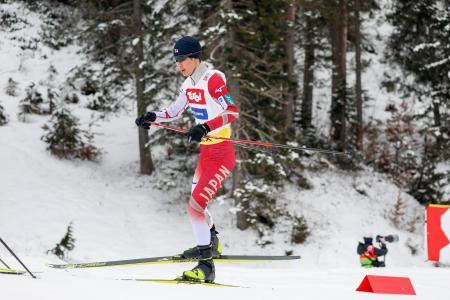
{"x": 196, "y": 96}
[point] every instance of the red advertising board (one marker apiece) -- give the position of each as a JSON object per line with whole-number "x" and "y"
{"x": 438, "y": 233}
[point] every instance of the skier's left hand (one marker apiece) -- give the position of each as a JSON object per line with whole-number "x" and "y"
{"x": 197, "y": 132}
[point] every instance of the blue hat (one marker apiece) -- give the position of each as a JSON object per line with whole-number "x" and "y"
{"x": 187, "y": 46}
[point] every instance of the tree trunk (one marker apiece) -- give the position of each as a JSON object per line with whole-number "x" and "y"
{"x": 233, "y": 84}
{"x": 437, "y": 120}
{"x": 146, "y": 162}
{"x": 290, "y": 62}
{"x": 308, "y": 75}
{"x": 358, "y": 87}
{"x": 436, "y": 114}
{"x": 338, "y": 31}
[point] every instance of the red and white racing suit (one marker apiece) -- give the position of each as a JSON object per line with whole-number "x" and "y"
{"x": 206, "y": 93}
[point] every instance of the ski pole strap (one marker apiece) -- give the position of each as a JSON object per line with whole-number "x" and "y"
{"x": 256, "y": 143}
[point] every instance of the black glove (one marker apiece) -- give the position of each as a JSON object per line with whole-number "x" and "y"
{"x": 197, "y": 132}
{"x": 147, "y": 117}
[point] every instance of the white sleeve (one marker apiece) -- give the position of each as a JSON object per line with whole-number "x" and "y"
{"x": 174, "y": 110}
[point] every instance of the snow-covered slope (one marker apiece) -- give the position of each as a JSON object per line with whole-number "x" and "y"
{"x": 116, "y": 213}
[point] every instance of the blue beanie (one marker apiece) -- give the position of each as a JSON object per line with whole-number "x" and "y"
{"x": 187, "y": 45}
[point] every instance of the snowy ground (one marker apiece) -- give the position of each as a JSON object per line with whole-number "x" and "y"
{"x": 262, "y": 281}
{"x": 117, "y": 214}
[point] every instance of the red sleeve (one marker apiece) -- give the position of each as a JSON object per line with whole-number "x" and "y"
{"x": 219, "y": 91}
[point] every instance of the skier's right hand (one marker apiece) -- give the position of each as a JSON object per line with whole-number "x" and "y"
{"x": 143, "y": 121}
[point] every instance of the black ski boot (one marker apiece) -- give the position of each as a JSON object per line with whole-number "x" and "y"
{"x": 215, "y": 243}
{"x": 216, "y": 246}
{"x": 205, "y": 270}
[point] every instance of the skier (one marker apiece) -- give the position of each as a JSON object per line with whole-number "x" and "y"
{"x": 205, "y": 91}
{"x": 369, "y": 254}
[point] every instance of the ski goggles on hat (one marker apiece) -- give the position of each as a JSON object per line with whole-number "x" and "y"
{"x": 181, "y": 58}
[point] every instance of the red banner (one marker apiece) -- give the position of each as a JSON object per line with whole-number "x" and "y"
{"x": 438, "y": 233}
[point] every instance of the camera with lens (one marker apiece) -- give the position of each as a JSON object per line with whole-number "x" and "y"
{"x": 391, "y": 238}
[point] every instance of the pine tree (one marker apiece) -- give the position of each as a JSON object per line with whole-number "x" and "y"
{"x": 260, "y": 64}
{"x": 338, "y": 111}
{"x": 87, "y": 150}
{"x": 63, "y": 134}
{"x": 358, "y": 70}
{"x": 73, "y": 99}
{"x": 290, "y": 93}
{"x": 428, "y": 182}
{"x": 419, "y": 45}
{"x": 66, "y": 140}
{"x": 66, "y": 244}
{"x": 253, "y": 53}
{"x": 342, "y": 22}
{"x": 32, "y": 103}
{"x": 3, "y": 116}
{"x": 313, "y": 38}
{"x": 51, "y": 98}
{"x": 146, "y": 162}
{"x": 312, "y": 24}
{"x": 400, "y": 156}
{"x": 133, "y": 41}
{"x": 11, "y": 88}
{"x": 300, "y": 230}
{"x": 397, "y": 212}
{"x": 57, "y": 30}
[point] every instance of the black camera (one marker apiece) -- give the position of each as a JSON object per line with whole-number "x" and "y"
{"x": 391, "y": 238}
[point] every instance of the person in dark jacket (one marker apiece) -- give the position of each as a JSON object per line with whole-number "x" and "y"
{"x": 369, "y": 254}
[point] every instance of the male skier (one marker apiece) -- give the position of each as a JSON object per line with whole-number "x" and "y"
{"x": 206, "y": 93}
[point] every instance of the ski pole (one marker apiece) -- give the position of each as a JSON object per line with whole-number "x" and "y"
{"x": 9, "y": 249}
{"x": 256, "y": 143}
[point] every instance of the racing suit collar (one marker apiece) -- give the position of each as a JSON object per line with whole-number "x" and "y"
{"x": 198, "y": 73}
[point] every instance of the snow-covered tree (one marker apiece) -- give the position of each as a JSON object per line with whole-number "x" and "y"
{"x": 66, "y": 140}
{"x": 32, "y": 103}
{"x": 420, "y": 46}
{"x": 11, "y": 87}
{"x": 66, "y": 244}
{"x": 3, "y": 116}
{"x": 62, "y": 134}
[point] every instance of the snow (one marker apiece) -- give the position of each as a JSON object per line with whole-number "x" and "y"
{"x": 259, "y": 282}
{"x": 425, "y": 46}
{"x": 118, "y": 214}
{"x": 437, "y": 63}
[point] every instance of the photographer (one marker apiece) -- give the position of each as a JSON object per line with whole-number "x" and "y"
{"x": 369, "y": 254}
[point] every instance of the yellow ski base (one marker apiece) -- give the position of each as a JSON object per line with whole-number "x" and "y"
{"x": 11, "y": 271}
{"x": 181, "y": 281}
